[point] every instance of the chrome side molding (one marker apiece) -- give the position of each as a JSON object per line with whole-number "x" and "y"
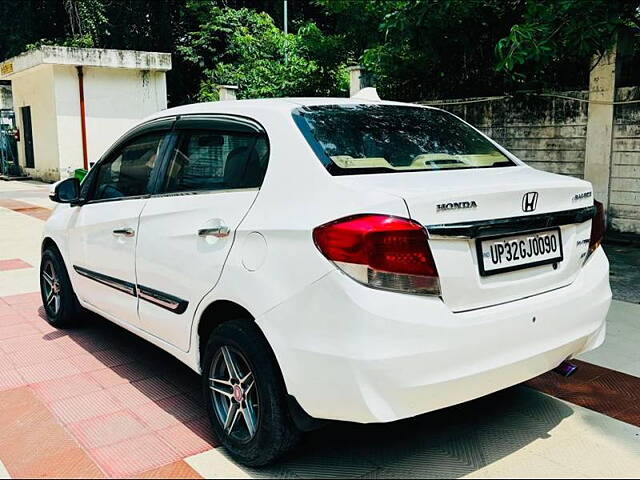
{"x": 503, "y": 226}
{"x": 161, "y": 299}
{"x": 112, "y": 282}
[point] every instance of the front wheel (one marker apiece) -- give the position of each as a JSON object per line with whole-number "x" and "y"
{"x": 58, "y": 298}
{"x": 246, "y": 397}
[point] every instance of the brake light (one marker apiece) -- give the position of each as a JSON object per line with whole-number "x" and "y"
{"x": 381, "y": 251}
{"x": 597, "y": 227}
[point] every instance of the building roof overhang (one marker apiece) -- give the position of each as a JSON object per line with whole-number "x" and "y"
{"x": 86, "y": 57}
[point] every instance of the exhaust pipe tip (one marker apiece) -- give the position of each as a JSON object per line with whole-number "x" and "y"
{"x": 566, "y": 369}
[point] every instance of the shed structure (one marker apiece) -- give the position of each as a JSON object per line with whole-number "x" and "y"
{"x": 71, "y": 104}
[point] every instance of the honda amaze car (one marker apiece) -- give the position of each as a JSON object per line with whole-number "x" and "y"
{"x": 329, "y": 259}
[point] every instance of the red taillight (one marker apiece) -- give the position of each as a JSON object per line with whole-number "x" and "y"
{"x": 597, "y": 227}
{"x": 381, "y": 251}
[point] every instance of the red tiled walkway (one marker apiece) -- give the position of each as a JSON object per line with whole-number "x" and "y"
{"x": 40, "y": 213}
{"x": 13, "y": 264}
{"x": 94, "y": 401}
{"x": 34, "y": 445}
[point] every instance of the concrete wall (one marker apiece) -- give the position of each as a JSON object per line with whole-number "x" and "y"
{"x": 547, "y": 133}
{"x": 35, "y": 89}
{"x": 624, "y": 197}
{"x": 115, "y": 100}
{"x": 551, "y": 134}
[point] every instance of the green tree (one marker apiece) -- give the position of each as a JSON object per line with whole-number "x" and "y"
{"x": 563, "y": 30}
{"x": 86, "y": 20}
{"x": 245, "y": 48}
{"x": 416, "y": 49}
{"x": 27, "y": 21}
{"x": 420, "y": 49}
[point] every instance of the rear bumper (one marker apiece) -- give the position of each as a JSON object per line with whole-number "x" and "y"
{"x": 348, "y": 352}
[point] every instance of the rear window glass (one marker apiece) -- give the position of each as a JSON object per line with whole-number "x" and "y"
{"x": 355, "y": 139}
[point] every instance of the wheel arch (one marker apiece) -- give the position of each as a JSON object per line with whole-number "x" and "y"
{"x": 221, "y": 311}
{"x": 214, "y": 315}
{"x": 48, "y": 242}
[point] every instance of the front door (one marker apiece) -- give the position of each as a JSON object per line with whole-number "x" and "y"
{"x": 212, "y": 179}
{"x": 27, "y": 135}
{"x": 104, "y": 230}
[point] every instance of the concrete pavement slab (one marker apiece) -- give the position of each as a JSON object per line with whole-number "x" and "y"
{"x": 3, "y": 471}
{"x": 620, "y": 350}
{"x": 515, "y": 433}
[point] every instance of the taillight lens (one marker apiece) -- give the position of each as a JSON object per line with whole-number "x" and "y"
{"x": 381, "y": 251}
{"x": 597, "y": 227}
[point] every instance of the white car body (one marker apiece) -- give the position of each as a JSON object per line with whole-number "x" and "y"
{"x": 346, "y": 351}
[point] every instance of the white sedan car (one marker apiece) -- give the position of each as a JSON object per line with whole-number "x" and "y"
{"x": 335, "y": 259}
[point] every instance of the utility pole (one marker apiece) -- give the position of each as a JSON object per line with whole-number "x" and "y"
{"x": 286, "y": 18}
{"x": 286, "y": 30}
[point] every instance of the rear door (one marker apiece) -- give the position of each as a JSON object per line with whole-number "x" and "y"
{"x": 104, "y": 230}
{"x": 210, "y": 181}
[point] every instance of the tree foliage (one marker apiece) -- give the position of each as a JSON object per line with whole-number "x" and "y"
{"x": 421, "y": 48}
{"x": 563, "y": 30}
{"x": 435, "y": 48}
{"x": 415, "y": 49}
{"x": 245, "y": 48}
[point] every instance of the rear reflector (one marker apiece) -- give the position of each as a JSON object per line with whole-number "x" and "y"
{"x": 597, "y": 228}
{"x": 381, "y": 251}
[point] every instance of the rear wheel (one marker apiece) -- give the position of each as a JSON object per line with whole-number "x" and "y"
{"x": 246, "y": 398}
{"x": 58, "y": 298}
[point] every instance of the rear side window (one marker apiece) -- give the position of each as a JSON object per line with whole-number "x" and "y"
{"x": 354, "y": 139}
{"x": 128, "y": 172}
{"x": 212, "y": 160}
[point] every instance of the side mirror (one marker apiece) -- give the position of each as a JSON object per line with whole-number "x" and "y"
{"x": 66, "y": 191}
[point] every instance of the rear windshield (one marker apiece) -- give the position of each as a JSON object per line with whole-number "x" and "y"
{"x": 355, "y": 139}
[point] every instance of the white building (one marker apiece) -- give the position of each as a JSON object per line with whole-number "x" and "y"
{"x": 71, "y": 104}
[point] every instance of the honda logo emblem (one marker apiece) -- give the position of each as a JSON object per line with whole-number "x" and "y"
{"x": 529, "y": 201}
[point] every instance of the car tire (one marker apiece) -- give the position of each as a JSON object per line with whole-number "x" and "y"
{"x": 58, "y": 298}
{"x": 260, "y": 399}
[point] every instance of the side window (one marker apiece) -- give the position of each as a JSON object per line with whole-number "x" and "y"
{"x": 128, "y": 172}
{"x": 212, "y": 160}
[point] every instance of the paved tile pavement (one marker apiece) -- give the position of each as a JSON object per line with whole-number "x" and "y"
{"x": 99, "y": 402}
{"x": 129, "y": 406}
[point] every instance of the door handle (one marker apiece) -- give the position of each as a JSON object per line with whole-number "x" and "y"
{"x": 124, "y": 232}
{"x": 218, "y": 232}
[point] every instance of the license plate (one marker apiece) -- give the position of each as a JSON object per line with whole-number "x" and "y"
{"x": 513, "y": 252}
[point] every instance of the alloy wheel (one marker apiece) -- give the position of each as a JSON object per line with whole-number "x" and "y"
{"x": 52, "y": 288}
{"x": 234, "y": 394}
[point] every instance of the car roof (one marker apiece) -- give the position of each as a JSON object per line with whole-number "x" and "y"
{"x": 264, "y": 105}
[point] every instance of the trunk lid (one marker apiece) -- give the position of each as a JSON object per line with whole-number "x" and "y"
{"x": 445, "y": 197}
